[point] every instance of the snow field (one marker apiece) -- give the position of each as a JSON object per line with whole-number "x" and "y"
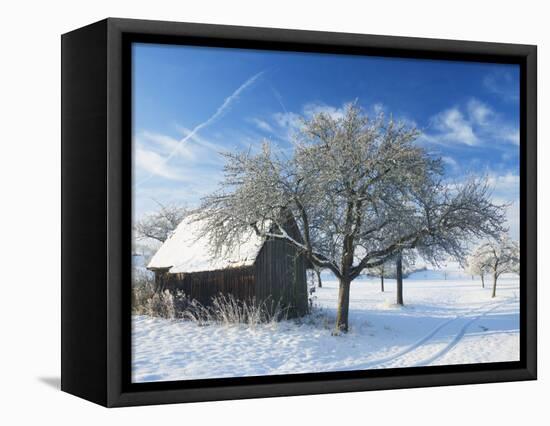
{"x": 443, "y": 322}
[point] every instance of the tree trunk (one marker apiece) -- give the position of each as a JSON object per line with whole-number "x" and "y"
{"x": 319, "y": 282}
{"x": 399, "y": 279}
{"x": 382, "y": 283}
{"x": 343, "y": 307}
{"x": 482, "y": 280}
{"x": 494, "y": 285}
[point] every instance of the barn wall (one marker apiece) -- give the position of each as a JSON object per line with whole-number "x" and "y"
{"x": 203, "y": 286}
{"x": 281, "y": 276}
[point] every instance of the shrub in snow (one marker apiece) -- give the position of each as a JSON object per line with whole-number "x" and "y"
{"x": 146, "y": 301}
{"x": 227, "y": 310}
{"x": 161, "y": 305}
{"x": 318, "y": 317}
{"x": 143, "y": 289}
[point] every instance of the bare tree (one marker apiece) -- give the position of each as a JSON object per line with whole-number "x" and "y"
{"x": 160, "y": 224}
{"x": 499, "y": 256}
{"x": 359, "y": 190}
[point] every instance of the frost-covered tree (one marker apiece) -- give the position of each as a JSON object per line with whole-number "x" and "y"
{"x": 145, "y": 251}
{"x": 160, "y": 224}
{"x": 318, "y": 275}
{"x": 476, "y": 264}
{"x": 360, "y": 191}
{"x": 382, "y": 271}
{"x": 314, "y": 274}
{"x": 389, "y": 270}
{"x": 499, "y": 256}
{"x": 399, "y": 278}
{"x": 404, "y": 261}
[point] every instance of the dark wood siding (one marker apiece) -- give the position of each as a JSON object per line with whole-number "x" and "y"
{"x": 281, "y": 277}
{"x": 203, "y": 286}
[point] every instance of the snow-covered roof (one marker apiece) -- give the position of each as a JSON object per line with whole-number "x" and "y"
{"x": 187, "y": 251}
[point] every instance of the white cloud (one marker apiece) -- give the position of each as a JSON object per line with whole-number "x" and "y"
{"x": 490, "y": 124}
{"x": 313, "y": 108}
{"x": 479, "y": 112}
{"x": 288, "y": 120}
{"x": 453, "y": 127}
{"x": 475, "y": 124}
{"x": 188, "y": 192}
{"x": 378, "y": 108}
{"x": 505, "y": 189}
{"x": 504, "y": 185}
{"x": 169, "y": 144}
{"x": 194, "y": 160}
{"x": 292, "y": 121}
{"x": 262, "y": 125}
{"x": 450, "y": 161}
{"x": 510, "y": 135}
{"x": 513, "y": 219}
{"x": 154, "y": 164}
{"x": 502, "y": 84}
{"x": 200, "y": 144}
{"x": 185, "y": 179}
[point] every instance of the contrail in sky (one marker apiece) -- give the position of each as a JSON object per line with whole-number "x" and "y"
{"x": 279, "y": 98}
{"x": 219, "y": 112}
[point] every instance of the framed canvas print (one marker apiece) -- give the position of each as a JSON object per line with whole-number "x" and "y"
{"x": 253, "y": 212}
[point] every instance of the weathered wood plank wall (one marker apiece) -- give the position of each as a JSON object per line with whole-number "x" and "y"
{"x": 281, "y": 277}
{"x": 203, "y": 286}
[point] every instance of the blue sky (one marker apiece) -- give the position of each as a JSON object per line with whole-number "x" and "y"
{"x": 190, "y": 103}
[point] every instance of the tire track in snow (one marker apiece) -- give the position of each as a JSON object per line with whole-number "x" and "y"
{"x": 430, "y": 336}
{"x": 460, "y": 335}
{"x": 411, "y": 347}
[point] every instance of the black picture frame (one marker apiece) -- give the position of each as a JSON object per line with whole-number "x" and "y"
{"x": 96, "y": 212}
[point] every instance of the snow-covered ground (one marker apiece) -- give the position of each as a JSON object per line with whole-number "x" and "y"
{"x": 444, "y": 322}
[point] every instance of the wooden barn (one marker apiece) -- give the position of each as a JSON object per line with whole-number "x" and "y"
{"x": 264, "y": 269}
